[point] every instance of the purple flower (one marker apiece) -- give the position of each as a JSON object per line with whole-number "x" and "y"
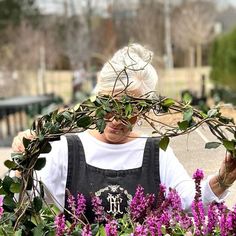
{"x": 140, "y": 230}
{"x": 174, "y": 200}
{"x": 98, "y": 209}
{"x": 213, "y": 219}
{"x": 199, "y": 217}
{"x": 223, "y": 226}
{"x": 111, "y": 228}
{"x": 185, "y": 221}
{"x": 197, "y": 204}
{"x": 161, "y": 195}
{"x": 153, "y": 223}
{"x": 140, "y": 204}
{"x": 1, "y": 208}
{"x": 198, "y": 175}
{"x": 60, "y": 224}
{"x": 81, "y": 205}
{"x": 87, "y": 231}
{"x": 231, "y": 222}
{"x": 77, "y": 206}
{"x": 71, "y": 203}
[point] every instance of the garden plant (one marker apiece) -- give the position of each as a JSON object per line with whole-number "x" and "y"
{"x": 23, "y": 210}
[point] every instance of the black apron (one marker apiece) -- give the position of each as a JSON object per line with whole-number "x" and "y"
{"x": 114, "y": 187}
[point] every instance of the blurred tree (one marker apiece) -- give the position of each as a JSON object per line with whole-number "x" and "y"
{"x": 223, "y": 61}
{"x": 12, "y": 12}
{"x": 141, "y": 21}
{"x": 192, "y": 27}
{"x": 149, "y": 27}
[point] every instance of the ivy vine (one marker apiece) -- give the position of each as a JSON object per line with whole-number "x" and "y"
{"x": 92, "y": 114}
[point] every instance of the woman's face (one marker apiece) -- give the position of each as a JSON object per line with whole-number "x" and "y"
{"x": 118, "y": 132}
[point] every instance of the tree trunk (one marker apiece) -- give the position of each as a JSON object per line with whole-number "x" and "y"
{"x": 199, "y": 55}
{"x": 191, "y": 57}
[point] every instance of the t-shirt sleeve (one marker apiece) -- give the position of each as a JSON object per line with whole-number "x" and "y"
{"x": 54, "y": 174}
{"x": 174, "y": 175}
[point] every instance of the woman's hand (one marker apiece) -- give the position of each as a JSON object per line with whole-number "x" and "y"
{"x": 227, "y": 172}
{"x": 225, "y": 177}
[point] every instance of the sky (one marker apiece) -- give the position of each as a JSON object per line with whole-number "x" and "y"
{"x": 58, "y": 6}
{"x": 227, "y": 2}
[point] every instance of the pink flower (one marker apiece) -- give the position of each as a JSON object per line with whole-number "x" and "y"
{"x": 60, "y": 224}
{"x": 1, "y": 208}
{"x": 111, "y": 228}
{"x": 17, "y": 144}
{"x": 87, "y": 230}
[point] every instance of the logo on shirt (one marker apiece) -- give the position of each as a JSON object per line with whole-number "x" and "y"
{"x": 115, "y": 199}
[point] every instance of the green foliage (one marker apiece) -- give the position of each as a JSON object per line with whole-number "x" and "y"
{"x": 223, "y": 60}
{"x": 13, "y": 11}
{"x": 93, "y": 114}
{"x": 164, "y": 142}
{"x": 211, "y": 145}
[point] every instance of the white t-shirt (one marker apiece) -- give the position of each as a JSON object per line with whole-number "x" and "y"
{"x": 118, "y": 157}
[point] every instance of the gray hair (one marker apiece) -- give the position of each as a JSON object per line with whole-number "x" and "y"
{"x": 130, "y": 64}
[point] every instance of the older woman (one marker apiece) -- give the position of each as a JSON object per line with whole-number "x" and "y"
{"x": 113, "y": 163}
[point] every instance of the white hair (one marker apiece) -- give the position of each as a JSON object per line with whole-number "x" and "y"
{"x": 129, "y": 65}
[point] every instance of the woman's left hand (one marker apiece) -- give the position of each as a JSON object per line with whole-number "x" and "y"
{"x": 225, "y": 177}
{"x": 227, "y": 172}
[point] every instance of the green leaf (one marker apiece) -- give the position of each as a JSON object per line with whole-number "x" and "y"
{"x": 59, "y": 118}
{"x": 187, "y": 98}
{"x": 183, "y": 125}
{"x": 18, "y": 232}
{"x": 9, "y": 202}
{"x": 188, "y": 114}
{"x": 101, "y": 124}
{"x": 6, "y": 183}
{"x": 38, "y": 204}
{"x": 100, "y": 113}
{"x": 76, "y": 107}
{"x": 67, "y": 115}
{"x": 41, "y": 137}
{"x": 142, "y": 103}
{"x": 15, "y": 187}
{"x": 10, "y": 164}
{"x": 168, "y": 102}
{"x": 51, "y": 233}
{"x": 17, "y": 155}
{"x": 54, "y": 114}
{"x": 229, "y": 145}
{"x": 203, "y": 114}
{"x": 211, "y": 145}
{"x": 212, "y": 113}
{"x": 94, "y": 228}
{"x": 102, "y": 231}
{"x": 164, "y": 142}
{"x": 40, "y": 163}
{"x": 93, "y": 98}
{"x": 26, "y": 142}
{"x": 84, "y": 121}
{"x": 128, "y": 110}
{"x": 54, "y": 129}
{"x": 38, "y": 230}
{"x": 2, "y": 191}
{"x": 107, "y": 108}
{"x": 46, "y": 148}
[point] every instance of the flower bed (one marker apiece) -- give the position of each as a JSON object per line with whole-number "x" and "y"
{"x": 24, "y": 212}
{"x": 166, "y": 217}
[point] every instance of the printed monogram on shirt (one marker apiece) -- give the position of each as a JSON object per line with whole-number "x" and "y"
{"x": 115, "y": 199}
